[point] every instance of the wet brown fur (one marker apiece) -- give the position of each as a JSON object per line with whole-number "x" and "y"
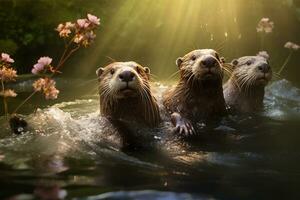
{"x": 141, "y": 108}
{"x": 196, "y": 99}
{"x": 244, "y": 91}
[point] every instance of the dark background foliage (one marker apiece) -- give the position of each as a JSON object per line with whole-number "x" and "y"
{"x": 152, "y": 32}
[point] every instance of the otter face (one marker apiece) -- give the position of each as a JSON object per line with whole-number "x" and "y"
{"x": 252, "y": 70}
{"x": 123, "y": 79}
{"x": 202, "y": 64}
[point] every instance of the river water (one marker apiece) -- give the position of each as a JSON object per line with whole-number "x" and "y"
{"x": 66, "y": 155}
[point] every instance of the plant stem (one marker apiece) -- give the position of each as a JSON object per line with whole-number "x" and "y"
{"x": 285, "y": 63}
{"x": 23, "y": 102}
{"x": 67, "y": 57}
{"x": 4, "y": 99}
{"x": 262, "y": 41}
{"x": 62, "y": 60}
{"x": 65, "y": 51}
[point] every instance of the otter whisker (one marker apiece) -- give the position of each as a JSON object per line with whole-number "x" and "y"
{"x": 221, "y": 46}
{"x": 172, "y": 75}
{"x": 146, "y": 99}
{"x": 111, "y": 59}
{"x": 146, "y": 91}
{"x": 143, "y": 99}
{"x": 228, "y": 71}
{"x": 242, "y": 80}
{"x": 250, "y": 82}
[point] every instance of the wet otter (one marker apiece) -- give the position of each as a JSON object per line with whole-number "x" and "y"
{"x": 244, "y": 91}
{"x": 126, "y": 98}
{"x": 199, "y": 94}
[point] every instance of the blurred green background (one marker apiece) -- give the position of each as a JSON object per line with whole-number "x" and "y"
{"x": 151, "y": 32}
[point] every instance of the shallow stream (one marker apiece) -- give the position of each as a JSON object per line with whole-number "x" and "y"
{"x": 65, "y": 155}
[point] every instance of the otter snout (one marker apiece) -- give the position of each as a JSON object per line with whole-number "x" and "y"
{"x": 264, "y": 68}
{"x": 127, "y": 76}
{"x": 208, "y": 62}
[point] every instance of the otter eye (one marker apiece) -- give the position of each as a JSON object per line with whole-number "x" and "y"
{"x": 112, "y": 71}
{"x": 249, "y": 62}
{"x": 193, "y": 58}
{"x": 137, "y": 68}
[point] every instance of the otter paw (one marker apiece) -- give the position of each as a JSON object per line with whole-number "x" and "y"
{"x": 185, "y": 128}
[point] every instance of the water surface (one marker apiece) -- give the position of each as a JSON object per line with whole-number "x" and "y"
{"x": 65, "y": 154}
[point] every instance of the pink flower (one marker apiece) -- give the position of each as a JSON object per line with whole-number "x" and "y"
{"x": 265, "y": 25}
{"x": 93, "y": 19}
{"x": 60, "y": 27}
{"x": 7, "y": 74}
{"x": 51, "y": 93}
{"x": 69, "y": 25}
{"x": 43, "y": 62}
{"x": 8, "y": 93}
{"x": 83, "y": 23}
{"x": 65, "y": 29}
{"x": 292, "y": 46}
{"x": 78, "y": 38}
{"x": 46, "y": 86}
{"x": 6, "y": 58}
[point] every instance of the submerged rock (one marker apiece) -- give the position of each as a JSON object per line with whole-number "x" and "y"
{"x": 17, "y": 124}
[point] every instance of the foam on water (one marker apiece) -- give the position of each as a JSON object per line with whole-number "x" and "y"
{"x": 75, "y": 129}
{"x": 282, "y": 100}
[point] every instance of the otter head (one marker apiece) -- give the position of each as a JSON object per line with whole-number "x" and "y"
{"x": 125, "y": 92}
{"x": 201, "y": 65}
{"x": 122, "y": 80}
{"x": 251, "y": 71}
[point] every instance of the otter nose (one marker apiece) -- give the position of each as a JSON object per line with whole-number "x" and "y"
{"x": 265, "y": 68}
{"x": 209, "y": 62}
{"x": 126, "y": 76}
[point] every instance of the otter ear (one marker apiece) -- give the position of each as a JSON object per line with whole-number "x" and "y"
{"x": 147, "y": 70}
{"x": 234, "y": 63}
{"x": 179, "y": 61}
{"x": 99, "y": 71}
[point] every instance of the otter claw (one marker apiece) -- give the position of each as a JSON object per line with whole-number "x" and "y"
{"x": 185, "y": 128}
{"x": 182, "y": 125}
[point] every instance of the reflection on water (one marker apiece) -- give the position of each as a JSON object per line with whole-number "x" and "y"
{"x": 67, "y": 153}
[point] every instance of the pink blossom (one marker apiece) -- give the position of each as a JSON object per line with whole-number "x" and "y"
{"x": 78, "y": 38}
{"x": 7, "y": 74}
{"x": 291, "y": 45}
{"x": 69, "y": 25}
{"x": 45, "y": 60}
{"x": 51, "y": 93}
{"x": 93, "y": 19}
{"x": 42, "y": 63}
{"x": 60, "y": 27}
{"x": 265, "y": 25}
{"x": 8, "y": 93}
{"x": 65, "y": 33}
{"x": 46, "y": 86}
{"x": 65, "y": 29}
{"x": 6, "y": 58}
{"x": 83, "y": 23}
{"x": 39, "y": 84}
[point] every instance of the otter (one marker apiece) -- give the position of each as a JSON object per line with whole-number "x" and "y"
{"x": 199, "y": 93}
{"x": 245, "y": 89}
{"x": 126, "y": 98}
